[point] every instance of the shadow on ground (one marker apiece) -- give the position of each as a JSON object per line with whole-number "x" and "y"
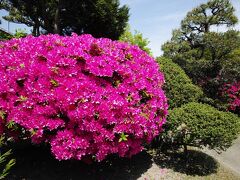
{"x": 195, "y": 163}
{"x": 35, "y": 163}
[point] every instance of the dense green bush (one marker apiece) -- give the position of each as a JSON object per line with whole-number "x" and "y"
{"x": 19, "y": 33}
{"x": 178, "y": 87}
{"x": 197, "y": 124}
{"x": 4, "y": 36}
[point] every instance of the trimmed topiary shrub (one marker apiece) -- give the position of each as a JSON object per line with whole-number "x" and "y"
{"x": 199, "y": 125}
{"x": 179, "y": 87}
{"x": 87, "y": 97}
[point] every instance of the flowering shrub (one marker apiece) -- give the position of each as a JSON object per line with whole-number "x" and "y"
{"x": 87, "y": 97}
{"x": 233, "y": 96}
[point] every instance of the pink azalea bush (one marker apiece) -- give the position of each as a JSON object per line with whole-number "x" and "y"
{"x": 232, "y": 91}
{"x": 86, "y": 97}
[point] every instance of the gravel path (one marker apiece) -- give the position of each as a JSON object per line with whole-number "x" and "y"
{"x": 229, "y": 158}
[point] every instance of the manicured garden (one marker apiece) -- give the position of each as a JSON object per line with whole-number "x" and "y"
{"x": 100, "y": 106}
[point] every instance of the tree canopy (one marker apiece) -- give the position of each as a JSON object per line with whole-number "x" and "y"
{"x": 101, "y": 18}
{"x": 135, "y": 38}
{"x": 201, "y": 51}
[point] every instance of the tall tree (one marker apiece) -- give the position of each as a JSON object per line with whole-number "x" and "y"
{"x": 135, "y": 38}
{"x": 201, "y": 51}
{"x": 101, "y": 18}
{"x": 25, "y": 12}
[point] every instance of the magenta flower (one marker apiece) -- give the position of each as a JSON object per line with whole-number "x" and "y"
{"x": 232, "y": 91}
{"x": 87, "y": 97}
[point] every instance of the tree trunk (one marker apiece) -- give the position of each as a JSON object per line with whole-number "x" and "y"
{"x": 37, "y": 27}
{"x": 56, "y": 22}
{"x": 34, "y": 30}
{"x": 207, "y": 27}
{"x": 185, "y": 150}
{"x": 38, "y": 31}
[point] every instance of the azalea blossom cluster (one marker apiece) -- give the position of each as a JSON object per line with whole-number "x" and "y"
{"x": 233, "y": 94}
{"x": 86, "y": 97}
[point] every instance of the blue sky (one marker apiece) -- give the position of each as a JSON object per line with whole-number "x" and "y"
{"x": 155, "y": 19}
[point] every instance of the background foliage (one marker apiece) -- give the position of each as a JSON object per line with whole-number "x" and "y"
{"x": 101, "y": 18}
{"x": 203, "y": 53}
{"x": 135, "y": 38}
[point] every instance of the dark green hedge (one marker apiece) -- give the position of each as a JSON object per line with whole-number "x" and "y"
{"x": 178, "y": 87}
{"x": 5, "y": 36}
{"x": 199, "y": 124}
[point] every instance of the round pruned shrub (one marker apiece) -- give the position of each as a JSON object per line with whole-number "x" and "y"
{"x": 86, "y": 97}
{"x": 197, "y": 124}
{"x": 179, "y": 87}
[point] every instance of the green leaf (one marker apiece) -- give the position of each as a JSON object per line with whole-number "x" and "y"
{"x": 2, "y": 114}
{"x": 55, "y": 70}
{"x": 22, "y": 65}
{"x": 123, "y": 137}
{"x": 8, "y": 166}
{"x": 145, "y": 115}
{"x": 22, "y": 98}
{"x": 33, "y": 132}
{"x": 1, "y": 141}
{"x": 129, "y": 98}
{"x": 11, "y": 125}
{"x": 54, "y": 83}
